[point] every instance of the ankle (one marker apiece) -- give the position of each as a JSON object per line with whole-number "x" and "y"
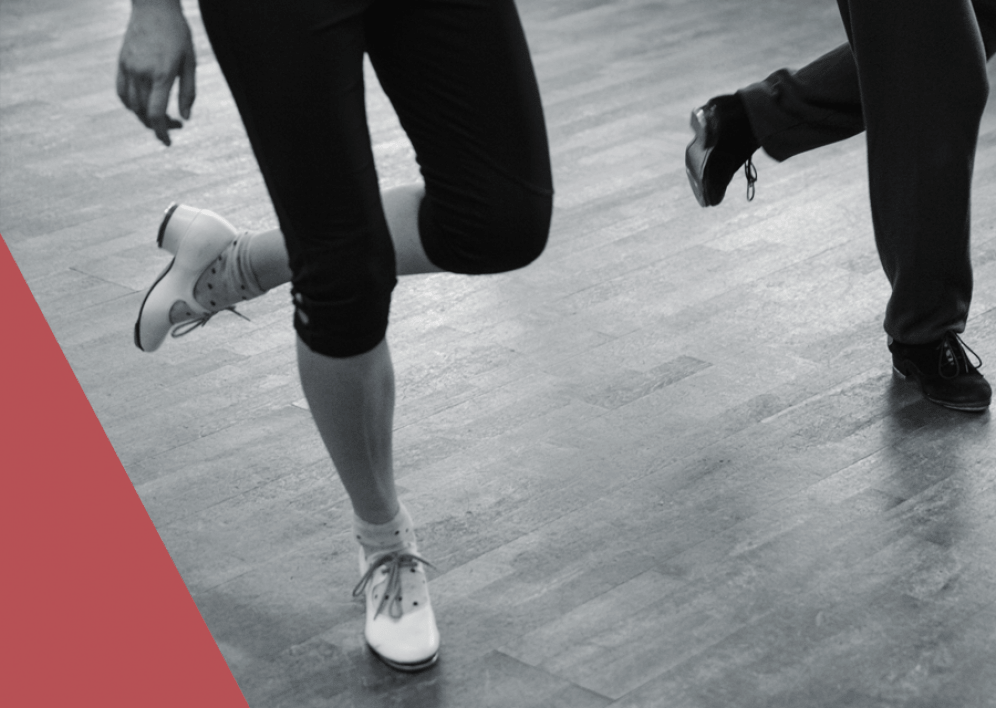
{"x": 394, "y": 535}
{"x": 229, "y": 280}
{"x": 738, "y": 136}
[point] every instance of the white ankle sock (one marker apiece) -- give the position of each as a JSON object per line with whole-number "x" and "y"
{"x": 230, "y": 279}
{"x": 395, "y": 535}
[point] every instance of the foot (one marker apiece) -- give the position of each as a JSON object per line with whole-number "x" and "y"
{"x": 196, "y": 238}
{"x": 723, "y": 142}
{"x": 401, "y": 626}
{"x": 944, "y": 372}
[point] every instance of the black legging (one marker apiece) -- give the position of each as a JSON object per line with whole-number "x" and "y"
{"x": 460, "y": 78}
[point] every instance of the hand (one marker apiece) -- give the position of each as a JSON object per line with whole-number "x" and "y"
{"x": 157, "y": 49}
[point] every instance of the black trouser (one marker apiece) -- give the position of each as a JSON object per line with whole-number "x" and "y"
{"x": 914, "y": 76}
{"x": 459, "y": 76}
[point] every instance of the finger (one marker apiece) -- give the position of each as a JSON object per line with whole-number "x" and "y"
{"x": 187, "y": 88}
{"x": 157, "y": 100}
{"x": 134, "y": 104}
{"x": 143, "y": 88}
{"x": 161, "y": 129}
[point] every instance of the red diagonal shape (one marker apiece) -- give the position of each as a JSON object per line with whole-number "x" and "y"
{"x": 94, "y": 613}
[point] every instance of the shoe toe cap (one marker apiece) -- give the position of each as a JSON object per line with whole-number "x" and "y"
{"x": 969, "y": 393}
{"x": 411, "y": 639}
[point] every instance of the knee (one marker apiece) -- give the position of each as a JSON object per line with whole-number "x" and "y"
{"x": 517, "y": 230}
{"x": 975, "y": 93}
{"x": 982, "y": 95}
{"x": 969, "y": 92}
{"x": 341, "y": 305}
{"x": 506, "y": 230}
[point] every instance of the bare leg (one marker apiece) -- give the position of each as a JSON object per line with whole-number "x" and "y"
{"x": 352, "y": 402}
{"x": 268, "y": 260}
{"x": 352, "y": 399}
{"x": 401, "y": 206}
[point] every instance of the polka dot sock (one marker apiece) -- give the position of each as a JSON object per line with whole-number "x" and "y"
{"x": 229, "y": 280}
{"x": 397, "y": 534}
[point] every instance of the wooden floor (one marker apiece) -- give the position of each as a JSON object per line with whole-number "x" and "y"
{"x": 666, "y": 465}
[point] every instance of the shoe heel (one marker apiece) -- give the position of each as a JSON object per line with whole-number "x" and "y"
{"x": 162, "y": 226}
{"x": 700, "y": 126}
{"x": 213, "y": 232}
{"x": 694, "y": 122}
{"x": 176, "y": 223}
{"x": 696, "y": 155}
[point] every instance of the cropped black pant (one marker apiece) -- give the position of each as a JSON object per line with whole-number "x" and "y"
{"x": 460, "y": 78}
{"x": 914, "y": 76}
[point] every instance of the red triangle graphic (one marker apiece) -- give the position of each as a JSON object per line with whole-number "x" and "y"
{"x": 94, "y": 613}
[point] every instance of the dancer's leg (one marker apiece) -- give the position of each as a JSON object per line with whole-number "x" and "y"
{"x": 304, "y": 113}
{"x": 795, "y": 110}
{"x": 922, "y": 73}
{"x": 923, "y": 89}
{"x": 268, "y": 251}
{"x": 268, "y": 265}
{"x": 920, "y": 169}
{"x": 352, "y": 399}
{"x": 305, "y": 116}
{"x": 481, "y": 145}
{"x": 787, "y": 113}
{"x": 352, "y": 402}
{"x": 792, "y": 111}
{"x": 401, "y": 208}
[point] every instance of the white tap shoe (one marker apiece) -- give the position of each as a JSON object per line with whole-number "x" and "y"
{"x": 196, "y": 238}
{"x": 400, "y": 626}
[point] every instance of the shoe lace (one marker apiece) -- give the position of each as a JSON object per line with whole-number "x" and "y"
{"x": 191, "y": 325}
{"x": 750, "y": 172}
{"x": 952, "y": 352}
{"x": 394, "y": 563}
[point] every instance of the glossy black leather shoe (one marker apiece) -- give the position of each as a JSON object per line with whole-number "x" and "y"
{"x": 944, "y": 372}
{"x": 723, "y": 143}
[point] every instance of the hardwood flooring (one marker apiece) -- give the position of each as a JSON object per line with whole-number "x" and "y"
{"x": 666, "y": 465}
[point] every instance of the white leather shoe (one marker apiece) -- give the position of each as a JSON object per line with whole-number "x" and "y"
{"x": 401, "y": 626}
{"x": 196, "y": 238}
